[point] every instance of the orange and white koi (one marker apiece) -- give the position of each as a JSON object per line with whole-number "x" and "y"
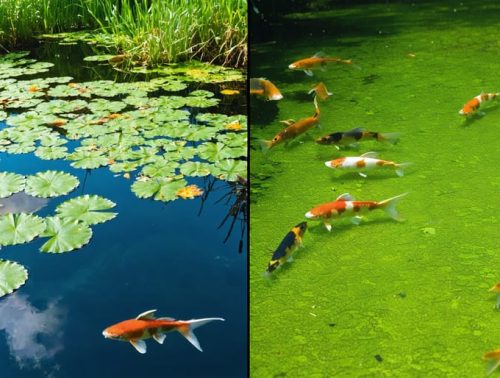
{"x": 320, "y": 91}
{"x": 346, "y": 205}
{"x": 290, "y": 243}
{"x": 496, "y": 289}
{"x": 365, "y": 162}
{"x": 293, "y": 129}
{"x": 344, "y": 138}
{"x": 264, "y": 88}
{"x": 472, "y": 105}
{"x": 318, "y": 60}
{"x": 145, "y": 326}
{"x": 493, "y": 358}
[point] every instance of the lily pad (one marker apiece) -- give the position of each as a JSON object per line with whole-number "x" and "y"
{"x": 230, "y": 169}
{"x": 88, "y": 159}
{"x": 196, "y": 169}
{"x": 87, "y": 209}
{"x": 51, "y": 153}
{"x": 12, "y": 276}
{"x": 65, "y": 235}
{"x": 19, "y": 228}
{"x": 10, "y": 183}
{"x": 50, "y": 184}
{"x": 163, "y": 189}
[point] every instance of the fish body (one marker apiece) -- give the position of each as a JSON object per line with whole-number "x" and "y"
{"x": 293, "y": 129}
{"x": 345, "y": 205}
{"x": 264, "y": 88}
{"x": 366, "y": 161}
{"x": 290, "y": 243}
{"x": 344, "y": 138}
{"x": 314, "y": 62}
{"x": 320, "y": 91}
{"x": 472, "y": 105}
{"x": 146, "y": 326}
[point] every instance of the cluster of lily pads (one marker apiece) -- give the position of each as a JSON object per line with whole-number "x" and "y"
{"x": 134, "y": 128}
{"x": 66, "y": 231}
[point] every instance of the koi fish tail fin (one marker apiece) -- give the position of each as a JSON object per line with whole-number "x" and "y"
{"x": 492, "y": 366}
{"x": 391, "y": 138}
{"x": 316, "y": 115}
{"x": 389, "y": 205}
{"x": 401, "y": 167}
{"x": 187, "y": 330}
{"x": 265, "y": 145}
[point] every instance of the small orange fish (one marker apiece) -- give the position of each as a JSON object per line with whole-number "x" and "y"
{"x": 493, "y": 358}
{"x": 316, "y": 61}
{"x": 266, "y": 89}
{"x": 145, "y": 326}
{"x": 472, "y": 105}
{"x": 346, "y": 205}
{"x": 320, "y": 91}
{"x": 293, "y": 129}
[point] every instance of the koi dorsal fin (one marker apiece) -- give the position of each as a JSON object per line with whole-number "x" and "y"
{"x": 357, "y": 130}
{"x": 372, "y": 155}
{"x": 345, "y": 197}
{"x": 319, "y": 54}
{"x": 146, "y": 315}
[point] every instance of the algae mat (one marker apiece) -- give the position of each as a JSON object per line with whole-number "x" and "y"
{"x": 383, "y": 298}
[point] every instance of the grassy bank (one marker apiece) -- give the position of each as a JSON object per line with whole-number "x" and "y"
{"x": 146, "y": 31}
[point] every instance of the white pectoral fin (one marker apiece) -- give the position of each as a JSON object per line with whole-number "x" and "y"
{"x": 139, "y": 345}
{"x": 371, "y": 154}
{"x": 362, "y": 174}
{"x": 309, "y": 73}
{"x": 328, "y": 226}
{"x": 356, "y": 220}
{"x": 159, "y": 337}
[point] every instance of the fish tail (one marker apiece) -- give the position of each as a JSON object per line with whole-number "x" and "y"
{"x": 316, "y": 115}
{"x": 391, "y": 138}
{"x": 187, "y": 330}
{"x": 401, "y": 167}
{"x": 265, "y": 145}
{"x": 389, "y": 205}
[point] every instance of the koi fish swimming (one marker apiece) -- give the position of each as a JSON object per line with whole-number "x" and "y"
{"x": 472, "y": 105}
{"x": 345, "y": 205}
{"x": 316, "y": 61}
{"x": 320, "y": 91}
{"x": 496, "y": 289}
{"x": 264, "y": 88}
{"x": 288, "y": 245}
{"x": 146, "y": 326}
{"x": 352, "y": 137}
{"x": 366, "y": 161}
{"x": 293, "y": 129}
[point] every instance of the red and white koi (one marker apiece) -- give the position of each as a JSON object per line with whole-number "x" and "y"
{"x": 264, "y": 88}
{"x": 345, "y": 205}
{"x": 366, "y": 161}
{"x": 318, "y": 60}
{"x": 146, "y": 326}
{"x": 472, "y": 105}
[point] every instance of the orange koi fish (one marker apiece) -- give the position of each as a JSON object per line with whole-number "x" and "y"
{"x": 290, "y": 242}
{"x": 471, "y": 106}
{"x": 346, "y": 205}
{"x": 266, "y": 89}
{"x": 496, "y": 289}
{"x": 145, "y": 326}
{"x": 293, "y": 129}
{"x": 320, "y": 91}
{"x": 365, "y": 162}
{"x": 345, "y": 138}
{"x": 318, "y": 60}
{"x": 494, "y": 360}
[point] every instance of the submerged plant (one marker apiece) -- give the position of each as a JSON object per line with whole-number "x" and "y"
{"x": 12, "y": 276}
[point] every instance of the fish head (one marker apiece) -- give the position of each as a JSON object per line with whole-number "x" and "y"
{"x": 302, "y": 228}
{"x": 324, "y": 140}
{"x": 273, "y": 264}
{"x": 310, "y": 215}
{"x": 275, "y": 96}
{"x": 294, "y": 66}
{"x": 112, "y": 332}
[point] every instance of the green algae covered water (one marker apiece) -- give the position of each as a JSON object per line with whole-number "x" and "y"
{"x": 384, "y": 298}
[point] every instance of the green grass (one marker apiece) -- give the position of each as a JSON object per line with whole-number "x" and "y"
{"x": 147, "y": 31}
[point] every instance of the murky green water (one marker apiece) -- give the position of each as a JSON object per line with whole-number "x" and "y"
{"x": 383, "y": 298}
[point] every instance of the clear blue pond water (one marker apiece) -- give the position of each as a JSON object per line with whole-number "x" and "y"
{"x": 153, "y": 255}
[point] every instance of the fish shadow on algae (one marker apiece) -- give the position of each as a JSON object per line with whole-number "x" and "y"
{"x": 478, "y": 116}
{"x": 345, "y": 225}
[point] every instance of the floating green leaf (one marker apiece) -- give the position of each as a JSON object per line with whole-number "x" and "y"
{"x": 51, "y": 153}
{"x": 50, "y": 184}
{"x": 65, "y": 235}
{"x": 196, "y": 169}
{"x": 87, "y": 209}
{"x": 19, "y": 228}
{"x": 230, "y": 169}
{"x": 12, "y": 276}
{"x": 10, "y": 183}
{"x": 88, "y": 159}
{"x": 214, "y": 151}
{"x": 162, "y": 188}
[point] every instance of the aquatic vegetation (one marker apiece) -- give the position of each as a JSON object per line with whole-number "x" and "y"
{"x": 10, "y": 183}
{"x": 87, "y": 209}
{"x": 19, "y": 228}
{"x": 12, "y": 276}
{"x": 64, "y": 235}
{"x": 162, "y": 189}
{"x": 50, "y": 184}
